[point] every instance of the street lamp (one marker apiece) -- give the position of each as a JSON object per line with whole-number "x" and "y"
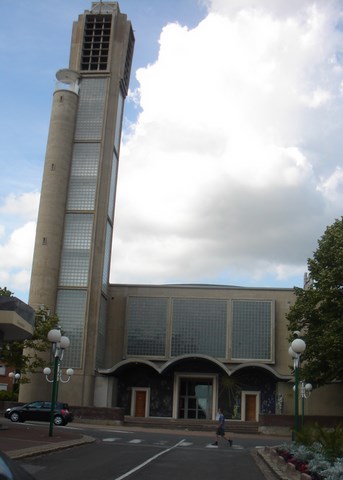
{"x": 14, "y": 376}
{"x": 305, "y": 392}
{"x": 59, "y": 344}
{"x": 296, "y": 349}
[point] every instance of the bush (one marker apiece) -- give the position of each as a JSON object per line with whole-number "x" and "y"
{"x": 331, "y": 439}
{"x": 334, "y": 472}
{"x": 8, "y": 396}
{"x": 317, "y": 451}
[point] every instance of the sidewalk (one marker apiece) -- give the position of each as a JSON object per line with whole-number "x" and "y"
{"x": 24, "y": 440}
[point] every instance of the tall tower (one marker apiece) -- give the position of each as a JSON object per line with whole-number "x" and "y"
{"x": 70, "y": 271}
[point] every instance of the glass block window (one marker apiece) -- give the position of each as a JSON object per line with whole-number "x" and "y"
{"x": 71, "y": 310}
{"x": 146, "y": 326}
{"x": 78, "y": 231}
{"x": 90, "y": 114}
{"x": 75, "y": 256}
{"x": 101, "y": 337}
{"x": 199, "y": 326}
{"x": 113, "y": 187}
{"x": 81, "y": 195}
{"x": 119, "y": 118}
{"x": 74, "y": 269}
{"x": 252, "y": 329}
{"x": 107, "y": 257}
{"x": 128, "y": 62}
{"x": 83, "y": 176}
{"x": 85, "y": 160}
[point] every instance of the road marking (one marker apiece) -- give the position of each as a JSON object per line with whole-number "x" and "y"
{"x": 151, "y": 459}
{"x": 136, "y": 440}
{"x": 110, "y": 439}
{"x": 186, "y": 444}
{"x": 210, "y": 445}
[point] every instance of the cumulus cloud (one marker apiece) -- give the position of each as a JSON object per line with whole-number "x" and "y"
{"x": 24, "y": 205}
{"x": 17, "y": 234}
{"x": 232, "y": 170}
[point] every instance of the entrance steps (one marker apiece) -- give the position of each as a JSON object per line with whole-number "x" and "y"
{"x": 234, "y": 426}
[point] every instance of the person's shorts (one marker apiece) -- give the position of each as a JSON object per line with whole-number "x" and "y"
{"x": 220, "y": 431}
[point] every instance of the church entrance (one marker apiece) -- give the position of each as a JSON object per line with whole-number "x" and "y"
{"x": 195, "y": 398}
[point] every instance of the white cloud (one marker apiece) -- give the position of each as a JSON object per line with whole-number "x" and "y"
{"x": 17, "y": 234}
{"x": 318, "y": 98}
{"x": 332, "y": 187}
{"x": 221, "y": 177}
{"x": 24, "y": 205}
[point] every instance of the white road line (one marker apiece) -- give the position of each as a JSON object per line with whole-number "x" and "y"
{"x": 148, "y": 461}
{"x": 136, "y": 440}
{"x": 186, "y": 444}
{"x": 111, "y": 439}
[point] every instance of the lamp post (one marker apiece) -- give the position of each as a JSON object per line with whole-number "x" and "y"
{"x": 15, "y": 377}
{"x": 59, "y": 344}
{"x": 296, "y": 349}
{"x": 305, "y": 392}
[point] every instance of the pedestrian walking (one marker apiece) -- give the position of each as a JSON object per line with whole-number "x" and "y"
{"x": 220, "y": 431}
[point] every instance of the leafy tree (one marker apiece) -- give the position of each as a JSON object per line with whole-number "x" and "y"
{"x": 5, "y": 293}
{"x": 318, "y": 310}
{"x": 25, "y": 356}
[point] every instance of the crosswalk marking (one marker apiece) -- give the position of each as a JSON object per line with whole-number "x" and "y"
{"x": 163, "y": 443}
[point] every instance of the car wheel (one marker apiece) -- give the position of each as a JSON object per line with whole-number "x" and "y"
{"x": 14, "y": 417}
{"x": 58, "y": 420}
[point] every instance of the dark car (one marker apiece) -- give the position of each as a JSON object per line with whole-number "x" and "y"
{"x": 11, "y": 470}
{"x": 40, "y": 411}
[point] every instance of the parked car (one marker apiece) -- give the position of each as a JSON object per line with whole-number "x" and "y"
{"x": 40, "y": 411}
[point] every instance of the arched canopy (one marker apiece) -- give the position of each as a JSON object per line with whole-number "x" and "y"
{"x": 163, "y": 367}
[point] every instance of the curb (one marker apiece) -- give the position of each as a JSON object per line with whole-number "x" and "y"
{"x": 281, "y": 469}
{"x": 33, "y": 451}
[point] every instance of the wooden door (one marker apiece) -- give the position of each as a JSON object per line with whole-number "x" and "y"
{"x": 140, "y": 403}
{"x": 250, "y": 408}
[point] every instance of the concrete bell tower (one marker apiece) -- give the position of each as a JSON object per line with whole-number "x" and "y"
{"x": 70, "y": 271}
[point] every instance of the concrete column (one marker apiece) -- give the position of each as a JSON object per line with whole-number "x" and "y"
{"x": 49, "y": 234}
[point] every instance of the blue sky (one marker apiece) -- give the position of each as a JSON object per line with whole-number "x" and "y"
{"x": 231, "y": 164}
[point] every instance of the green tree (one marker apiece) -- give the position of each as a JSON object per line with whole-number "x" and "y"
{"x": 5, "y": 293}
{"x": 25, "y": 356}
{"x": 318, "y": 310}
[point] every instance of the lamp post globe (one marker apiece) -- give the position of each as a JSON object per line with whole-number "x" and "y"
{"x": 298, "y": 346}
{"x": 64, "y": 342}
{"x": 291, "y": 352}
{"x": 54, "y": 335}
{"x": 308, "y": 387}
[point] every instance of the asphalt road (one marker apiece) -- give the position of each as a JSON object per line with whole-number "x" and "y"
{"x": 145, "y": 455}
